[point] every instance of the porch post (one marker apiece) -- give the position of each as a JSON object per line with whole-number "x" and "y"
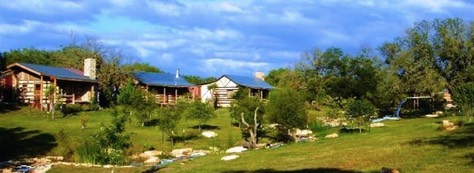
{"x": 261, "y": 94}
{"x": 175, "y": 95}
{"x": 55, "y": 84}
{"x": 41, "y": 93}
{"x": 164, "y": 95}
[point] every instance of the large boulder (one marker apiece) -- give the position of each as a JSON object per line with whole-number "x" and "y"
{"x": 152, "y": 160}
{"x": 181, "y": 152}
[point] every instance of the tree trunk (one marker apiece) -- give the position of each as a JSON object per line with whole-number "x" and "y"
{"x": 252, "y": 130}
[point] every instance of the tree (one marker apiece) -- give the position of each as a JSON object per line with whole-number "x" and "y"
{"x": 248, "y": 110}
{"x": 336, "y": 108}
{"x": 463, "y": 96}
{"x": 145, "y": 67}
{"x": 199, "y": 111}
{"x": 286, "y": 107}
{"x": 136, "y": 103}
{"x": 50, "y": 93}
{"x": 360, "y": 110}
{"x": 198, "y": 80}
{"x": 167, "y": 118}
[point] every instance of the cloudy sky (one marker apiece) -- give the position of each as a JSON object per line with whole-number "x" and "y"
{"x": 211, "y": 37}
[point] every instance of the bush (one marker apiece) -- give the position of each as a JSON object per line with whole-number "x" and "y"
{"x": 70, "y": 109}
{"x": 319, "y": 127}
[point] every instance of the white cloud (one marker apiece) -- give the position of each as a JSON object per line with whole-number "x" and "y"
{"x": 228, "y": 7}
{"x": 434, "y": 5}
{"x": 42, "y": 7}
{"x": 165, "y": 9}
{"x": 229, "y": 65}
{"x": 26, "y": 26}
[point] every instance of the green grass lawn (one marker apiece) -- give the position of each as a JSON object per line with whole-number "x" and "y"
{"x": 412, "y": 145}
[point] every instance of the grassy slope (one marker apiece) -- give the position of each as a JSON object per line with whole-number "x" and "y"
{"x": 413, "y": 145}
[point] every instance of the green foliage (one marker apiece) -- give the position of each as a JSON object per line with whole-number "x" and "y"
{"x": 70, "y": 109}
{"x": 167, "y": 119}
{"x": 463, "y": 96}
{"x": 65, "y": 144}
{"x": 199, "y": 111}
{"x": 286, "y": 107}
{"x": 360, "y": 111}
{"x": 198, "y": 80}
{"x": 144, "y": 67}
{"x": 137, "y": 102}
{"x": 336, "y": 107}
{"x": 107, "y": 146}
{"x": 246, "y": 105}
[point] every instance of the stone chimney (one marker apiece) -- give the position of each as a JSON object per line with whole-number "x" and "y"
{"x": 90, "y": 68}
{"x": 260, "y": 75}
{"x": 177, "y": 73}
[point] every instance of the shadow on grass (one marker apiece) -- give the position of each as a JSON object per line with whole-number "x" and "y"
{"x": 460, "y": 138}
{"x": 316, "y": 170}
{"x": 17, "y": 143}
{"x": 184, "y": 138}
{"x": 8, "y": 107}
{"x": 470, "y": 156}
{"x": 206, "y": 127}
{"x": 152, "y": 169}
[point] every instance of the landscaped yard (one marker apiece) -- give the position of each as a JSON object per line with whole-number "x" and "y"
{"x": 412, "y": 145}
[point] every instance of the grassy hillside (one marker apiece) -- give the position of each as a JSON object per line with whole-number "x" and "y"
{"x": 412, "y": 145}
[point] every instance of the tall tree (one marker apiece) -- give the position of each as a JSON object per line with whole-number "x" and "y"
{"x": 286, "y": 107}
{"x": 145, "y": 67}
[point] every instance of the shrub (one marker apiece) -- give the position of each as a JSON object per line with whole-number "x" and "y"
{"x": 70, "y": 109}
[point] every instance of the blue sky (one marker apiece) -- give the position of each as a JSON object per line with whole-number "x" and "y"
{"x": 211, "y": 37}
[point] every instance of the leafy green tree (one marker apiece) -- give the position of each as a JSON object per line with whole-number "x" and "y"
{"x": 167, "y": 118}
{"x": 360, "y": 111}
{"x": 145, "y": 67}
{"x": 199, "y": 111}
{"x": 249, "y": 111}
{"x": 286, "y": 107}
{"x": 198, "y": 80}
{"x": 336, "y": 108}
{"x": 463, "y": 96}
{"x": 134, "y": 102}
{"x": 276, "y": 75}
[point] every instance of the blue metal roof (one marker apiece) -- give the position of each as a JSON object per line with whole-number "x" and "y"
{"x": 161, "y": 79}
{"x": 250, "y": 82}
{"x": 57, "y": 72}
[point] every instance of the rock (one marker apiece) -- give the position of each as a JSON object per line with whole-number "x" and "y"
{"x": 389, "y": 170}
{"x": 377, "y": 125}
{"x": 432, "y": 115}
{"x": 237, "y": 149}
{"x": 452, "y": 128}
{"x": 214, "y": 149}
{"x": 304, "y": 132}
{"x": 334, "y": 135}
{"x": 108, "y": 166}
{"x": 209, "y": 134}
{"x": 152, "y": 153}
{"x": 55, "y": 158}
{"x": 152, "y": 160}
{"x": 230, "y": 157}
{"x": 181, "y": 152}
{"x": 447, "y": 124}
